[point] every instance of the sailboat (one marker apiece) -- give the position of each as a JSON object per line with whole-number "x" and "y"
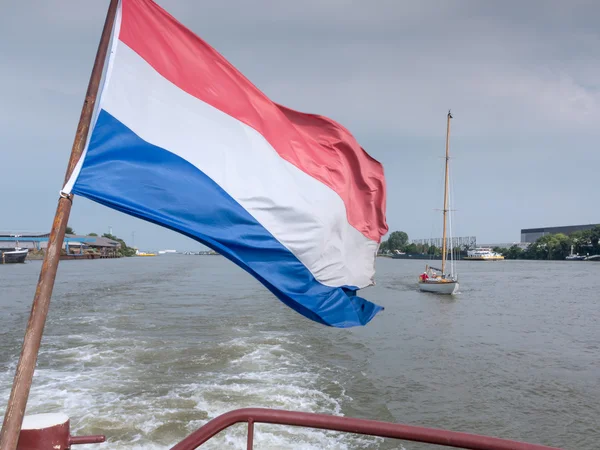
{"x": 446, "y": 281}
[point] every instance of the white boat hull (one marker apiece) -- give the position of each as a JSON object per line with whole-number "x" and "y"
{"x": 439, "y": 287}
{"x": 16, "y": 255}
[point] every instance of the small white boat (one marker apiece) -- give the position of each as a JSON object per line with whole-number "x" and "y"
{"x": 446, "y": 282}
{"x": 575, "y": 257}
{"x": 14, "y": 255}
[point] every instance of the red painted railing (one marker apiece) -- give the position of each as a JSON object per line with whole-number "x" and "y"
{"x": 349, "y": 425}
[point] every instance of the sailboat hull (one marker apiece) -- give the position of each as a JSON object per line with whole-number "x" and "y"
{"x": 439, "y": 287}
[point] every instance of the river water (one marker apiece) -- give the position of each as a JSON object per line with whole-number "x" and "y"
{"x": 145, "y": 350}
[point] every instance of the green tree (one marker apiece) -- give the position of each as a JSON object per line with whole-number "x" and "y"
{"x": 550, "y": 246}
{"x": 561, "y": 246}
{"x": 124, "y": 250}
{"x": 383, "y": 247}
{"x": 581, "y": 241}
{"x": 92, "y": 234}
{"x": 397, "y": 241}
{"x": 514, "y": 252}
{"x": 595, "y": 238}
{"x": 458, "y": 252}
{"x": 586, "y": 241}
{"x": 411, "y": 248}
{"x": 69, "y": 230}
{"x": 435, "y": 251}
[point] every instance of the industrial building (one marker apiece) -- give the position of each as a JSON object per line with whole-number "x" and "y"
{"x": 530, "y": 235}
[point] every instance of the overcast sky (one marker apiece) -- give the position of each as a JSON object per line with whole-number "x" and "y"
{"x": 522, "y": 80}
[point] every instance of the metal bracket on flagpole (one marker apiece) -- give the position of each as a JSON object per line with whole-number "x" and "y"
{"x": 63, "y": 194}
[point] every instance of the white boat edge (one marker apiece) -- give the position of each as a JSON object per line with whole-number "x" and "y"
{"x": 16, "y": 256}
{"x": 483, "y": 254}
{"x": 434, "y": 287}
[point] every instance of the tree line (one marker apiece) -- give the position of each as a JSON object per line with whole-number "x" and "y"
{"x": 557, "y": 246}
{"x": 549, "y": 246}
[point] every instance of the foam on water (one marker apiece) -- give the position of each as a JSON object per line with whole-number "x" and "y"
{"x": 145, "y": 392}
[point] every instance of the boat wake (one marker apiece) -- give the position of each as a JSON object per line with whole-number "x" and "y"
{"x": 144, "y": 394}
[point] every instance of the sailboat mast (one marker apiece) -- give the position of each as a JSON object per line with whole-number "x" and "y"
{"x": 444, "y": 246}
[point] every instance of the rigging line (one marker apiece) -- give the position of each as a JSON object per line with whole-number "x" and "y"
{"x": 451, "y": 222}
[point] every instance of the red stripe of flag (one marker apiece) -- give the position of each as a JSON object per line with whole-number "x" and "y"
{"x": 320, "y": 147}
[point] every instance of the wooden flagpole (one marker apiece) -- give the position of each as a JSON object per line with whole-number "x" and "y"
{"x": 13, "y": 418}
